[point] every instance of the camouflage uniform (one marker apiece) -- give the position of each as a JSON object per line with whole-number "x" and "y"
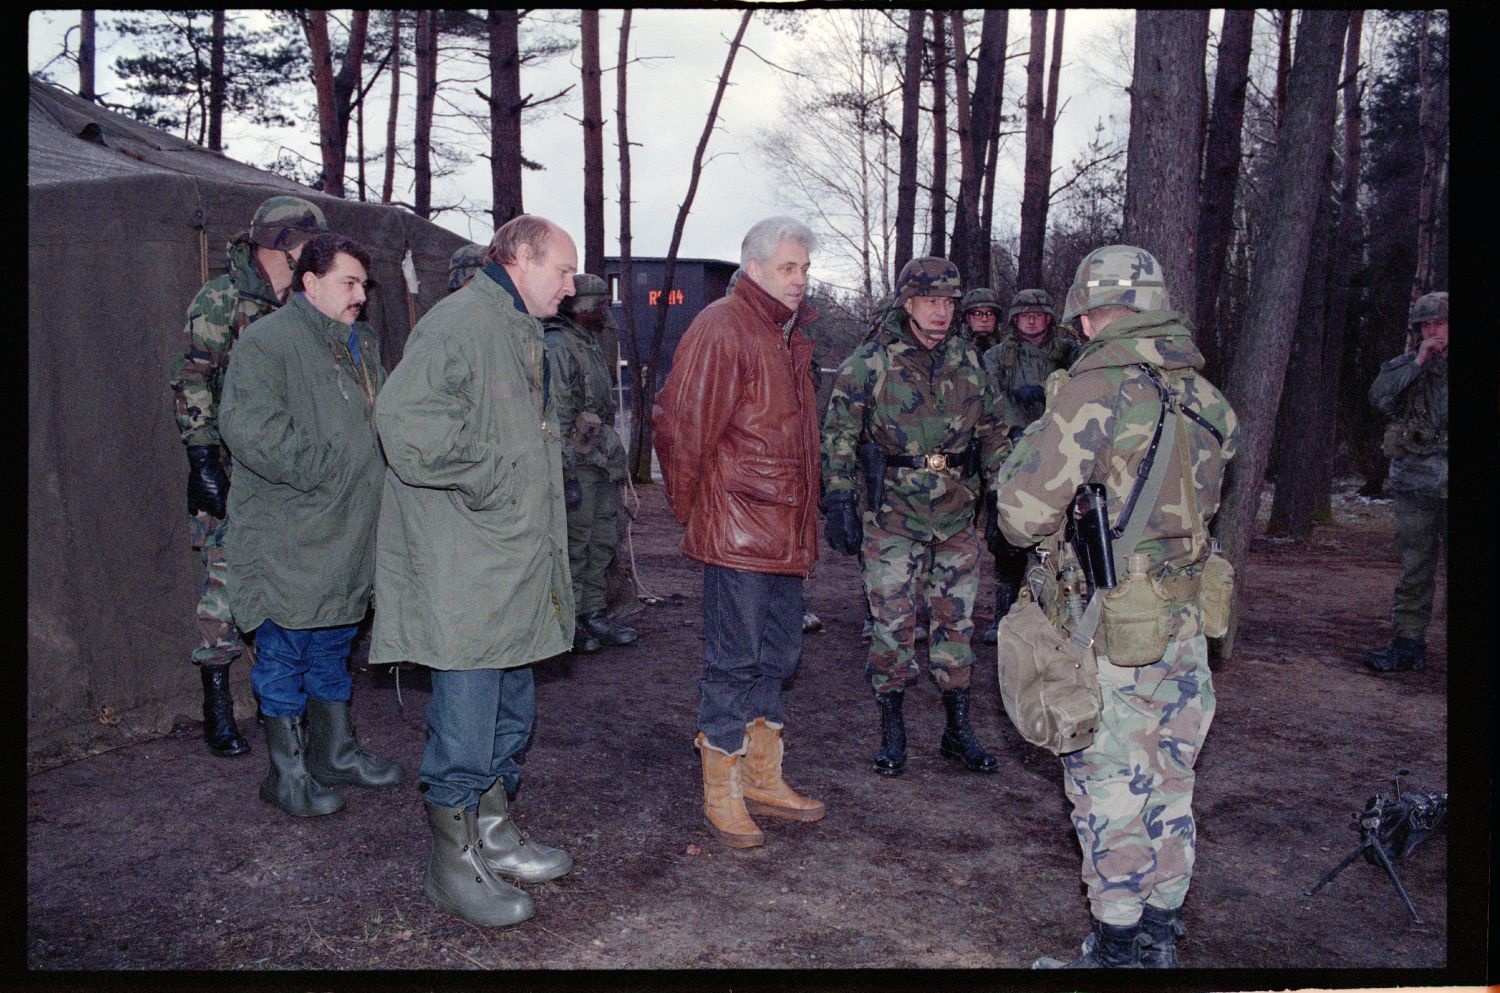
{"x": 223, "y": 308}
{"x": 919, "y": 543}
{"x": 1415, "y": 398}
{"x": 593, "y": 456}
{"x": 1131, "y": 789}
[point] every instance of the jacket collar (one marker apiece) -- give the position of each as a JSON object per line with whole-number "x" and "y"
{"x": 767, "y": 306}
{"x": 245, "y": 274}
{"x": 1163, "y": 338}
{"x": 497, "y": 274}
{"x": 320, "y": 322}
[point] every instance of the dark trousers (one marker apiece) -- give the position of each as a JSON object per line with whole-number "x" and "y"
{"x": 752, "y": 628}
{"x": 479, "y": 723}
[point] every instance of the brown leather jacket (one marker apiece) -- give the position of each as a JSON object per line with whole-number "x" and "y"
{"x": 736, "y": 432}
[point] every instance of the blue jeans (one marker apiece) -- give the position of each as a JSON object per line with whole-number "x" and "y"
{"x": 479, "y": 723}
{"x": 292, "y": 664}
{"x": 752, "y": 629}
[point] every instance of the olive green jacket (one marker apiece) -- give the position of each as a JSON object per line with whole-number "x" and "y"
{"x": 1415, "y": 398}
{"x": 472, "y": 565}
{"x": 297, "y": 412}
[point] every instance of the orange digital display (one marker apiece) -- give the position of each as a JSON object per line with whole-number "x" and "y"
{"x": 673, "y": 299}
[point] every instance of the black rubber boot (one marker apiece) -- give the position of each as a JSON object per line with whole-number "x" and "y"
{"x": 1108, "y": 946}
{"x": 958, "y": 738}
{"x": 1160, "y": 930}
{"x": 1401, "y": 655}
{"x": 583, "y": 642}
{"x": 891, "y": 759}
{"x": 1005, "y": 596}
{"x": 219, "y": 730}
{"x": 288, "y": 784}
{"x": 334, "y": 756}
{"x": 606, "y": 631}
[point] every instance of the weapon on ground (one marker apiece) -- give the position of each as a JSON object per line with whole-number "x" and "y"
{"x": 1389, "y": 828}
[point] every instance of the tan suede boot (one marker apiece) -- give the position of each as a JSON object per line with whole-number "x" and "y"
{"x": 723, "y": 797}
{"x": 765, "y": 791}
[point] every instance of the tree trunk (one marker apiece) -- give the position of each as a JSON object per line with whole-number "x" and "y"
{"x": 1253, "y": 385}
{"x": 1432, "y": 119}
{"x": 316, "y": 26}
{"x": 388, "y": 185}
{"x": 1297, "y": 441}
{"x": 1221, "y": 170}
{"x": 906, "y": 169}
{"x": 216, "y": 85}
{"x": 640, "y": 454}
{"x": 593, "y": 146}
{"x": 346, "y": 86}
{"x": 1341, "y": 266}
{"x": 86, "y": 55}
{"x": 505, "y": 115}
{"x": 645, "y": 396}
{"x": 1283, "y": 65}
{"x": 939, "y": 224}
{"x": 992, "y": 158}
{"x": 1058, "y": 18}
{"x": 1037, "y": 177}
{"x": 1166, "y": 144}
{"x": 976, "y": 123}
{"x": 424, "y": 51}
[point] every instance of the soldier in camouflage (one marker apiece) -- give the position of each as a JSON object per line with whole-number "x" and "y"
{"x": 465, "y": 262}
{"x": 1132, "y": 788}
{"x": 260, "y": 266}
{"x": 915, "y": 398}
{"x": 1412, "y": 390}
{"x": 593, "y": 457}
{"x": 1029, "y": 351}
{"x": 981, "y": 312}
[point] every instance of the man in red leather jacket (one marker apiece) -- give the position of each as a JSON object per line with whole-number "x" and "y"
{"x": 736, "y": 431}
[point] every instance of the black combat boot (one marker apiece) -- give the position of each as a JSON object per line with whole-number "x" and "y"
{"x": 1160, "y": 930}
{"x": 958, "y": 738}
{"x": 1107, "y": 946}
{"x": 219, "y": 730}
{"x": 1402, "y": 655}
{"x": 606, "y": 631}
{"x": 1005, "y": 596}
{"x": 891, "y": 759}
{"x": 583, "y": 642}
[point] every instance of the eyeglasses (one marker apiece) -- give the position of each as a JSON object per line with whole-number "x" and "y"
{"x": 982, "y": 312}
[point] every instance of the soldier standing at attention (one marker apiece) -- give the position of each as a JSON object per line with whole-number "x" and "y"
{"x": 1132, "y": 788}
{"x": 1412, "y": 390}
{"x": 593, "y": 457}
{"x": 913, "y": 411}
{"x": 259, "y": 277}
{"x": 1019, "y": 363}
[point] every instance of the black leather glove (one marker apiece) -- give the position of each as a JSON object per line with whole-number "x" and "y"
{"x": 842, "y": 528}
{"x": 992, "y": 536}
{"x": 1014, "y": 434}
{"x": 208, "y": 484}
{"x": 1030, "y": 393}
{"x": 572, "y": 494}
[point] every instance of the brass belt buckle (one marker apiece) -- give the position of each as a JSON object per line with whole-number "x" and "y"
{"x": 937, "y": 462}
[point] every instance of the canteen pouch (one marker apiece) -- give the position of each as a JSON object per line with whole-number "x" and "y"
{"x": 1215, "y": 594}
{"x": 1048, "y": 683}
{"x": 1135, "y": 621}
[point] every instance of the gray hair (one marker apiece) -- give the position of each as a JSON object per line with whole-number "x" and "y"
{"x": 761, "y": 240}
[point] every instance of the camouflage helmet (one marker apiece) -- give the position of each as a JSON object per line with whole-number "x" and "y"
{"x": 928, "y": 276}
{"x": 285, "y": 222}
{"x": 464, "y": 264}
{"x": 1030, "y": 302}
{"x": 1117, "y": 275}
{"x": 981, "y": 296}
{"x": 589, "y": 291}
{"x": 1429, "y": 307}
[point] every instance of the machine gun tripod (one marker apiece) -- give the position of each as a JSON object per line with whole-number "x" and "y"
{"x": 1389, "y": 828}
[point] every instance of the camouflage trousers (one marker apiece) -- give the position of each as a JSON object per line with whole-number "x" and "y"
{"x": 592, "y": 538}
{"x": 219, "y": 640}
{"x": 1132, "y": 789}
{"x": 1421, "y": 530}
{"x": 900, "y": 575}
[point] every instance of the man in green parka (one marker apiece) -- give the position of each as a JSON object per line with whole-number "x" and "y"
{"x": 471, "y": 575}
{"x": 298, "y": 413}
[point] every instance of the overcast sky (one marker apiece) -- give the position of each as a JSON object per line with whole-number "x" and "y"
{"x": 669, "y": 96}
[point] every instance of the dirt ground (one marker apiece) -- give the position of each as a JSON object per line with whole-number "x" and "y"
{"x": 159, "y": 856}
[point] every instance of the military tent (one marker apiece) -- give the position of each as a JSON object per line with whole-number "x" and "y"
{"x": 126, "y": 222}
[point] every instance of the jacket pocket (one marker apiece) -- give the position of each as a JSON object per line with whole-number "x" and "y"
{"x": 761, "y": 480}
{"x": 758, "y": 510}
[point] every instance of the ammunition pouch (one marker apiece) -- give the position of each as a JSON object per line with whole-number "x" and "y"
{"x": 1215, "y": 594}
{"x": 586, "y": 430}
{"x": 1049, "y": 684}
{"x": 1412, "y": 437}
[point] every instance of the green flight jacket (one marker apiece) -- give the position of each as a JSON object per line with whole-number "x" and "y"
{"x": 1415, "y": 398}
{"x": 912, "y": 400}
{"x": 297, "y": 412}
{"x": 472, "y": 565}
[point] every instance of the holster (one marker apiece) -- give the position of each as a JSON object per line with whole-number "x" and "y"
{"x": 872, "y": 462}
